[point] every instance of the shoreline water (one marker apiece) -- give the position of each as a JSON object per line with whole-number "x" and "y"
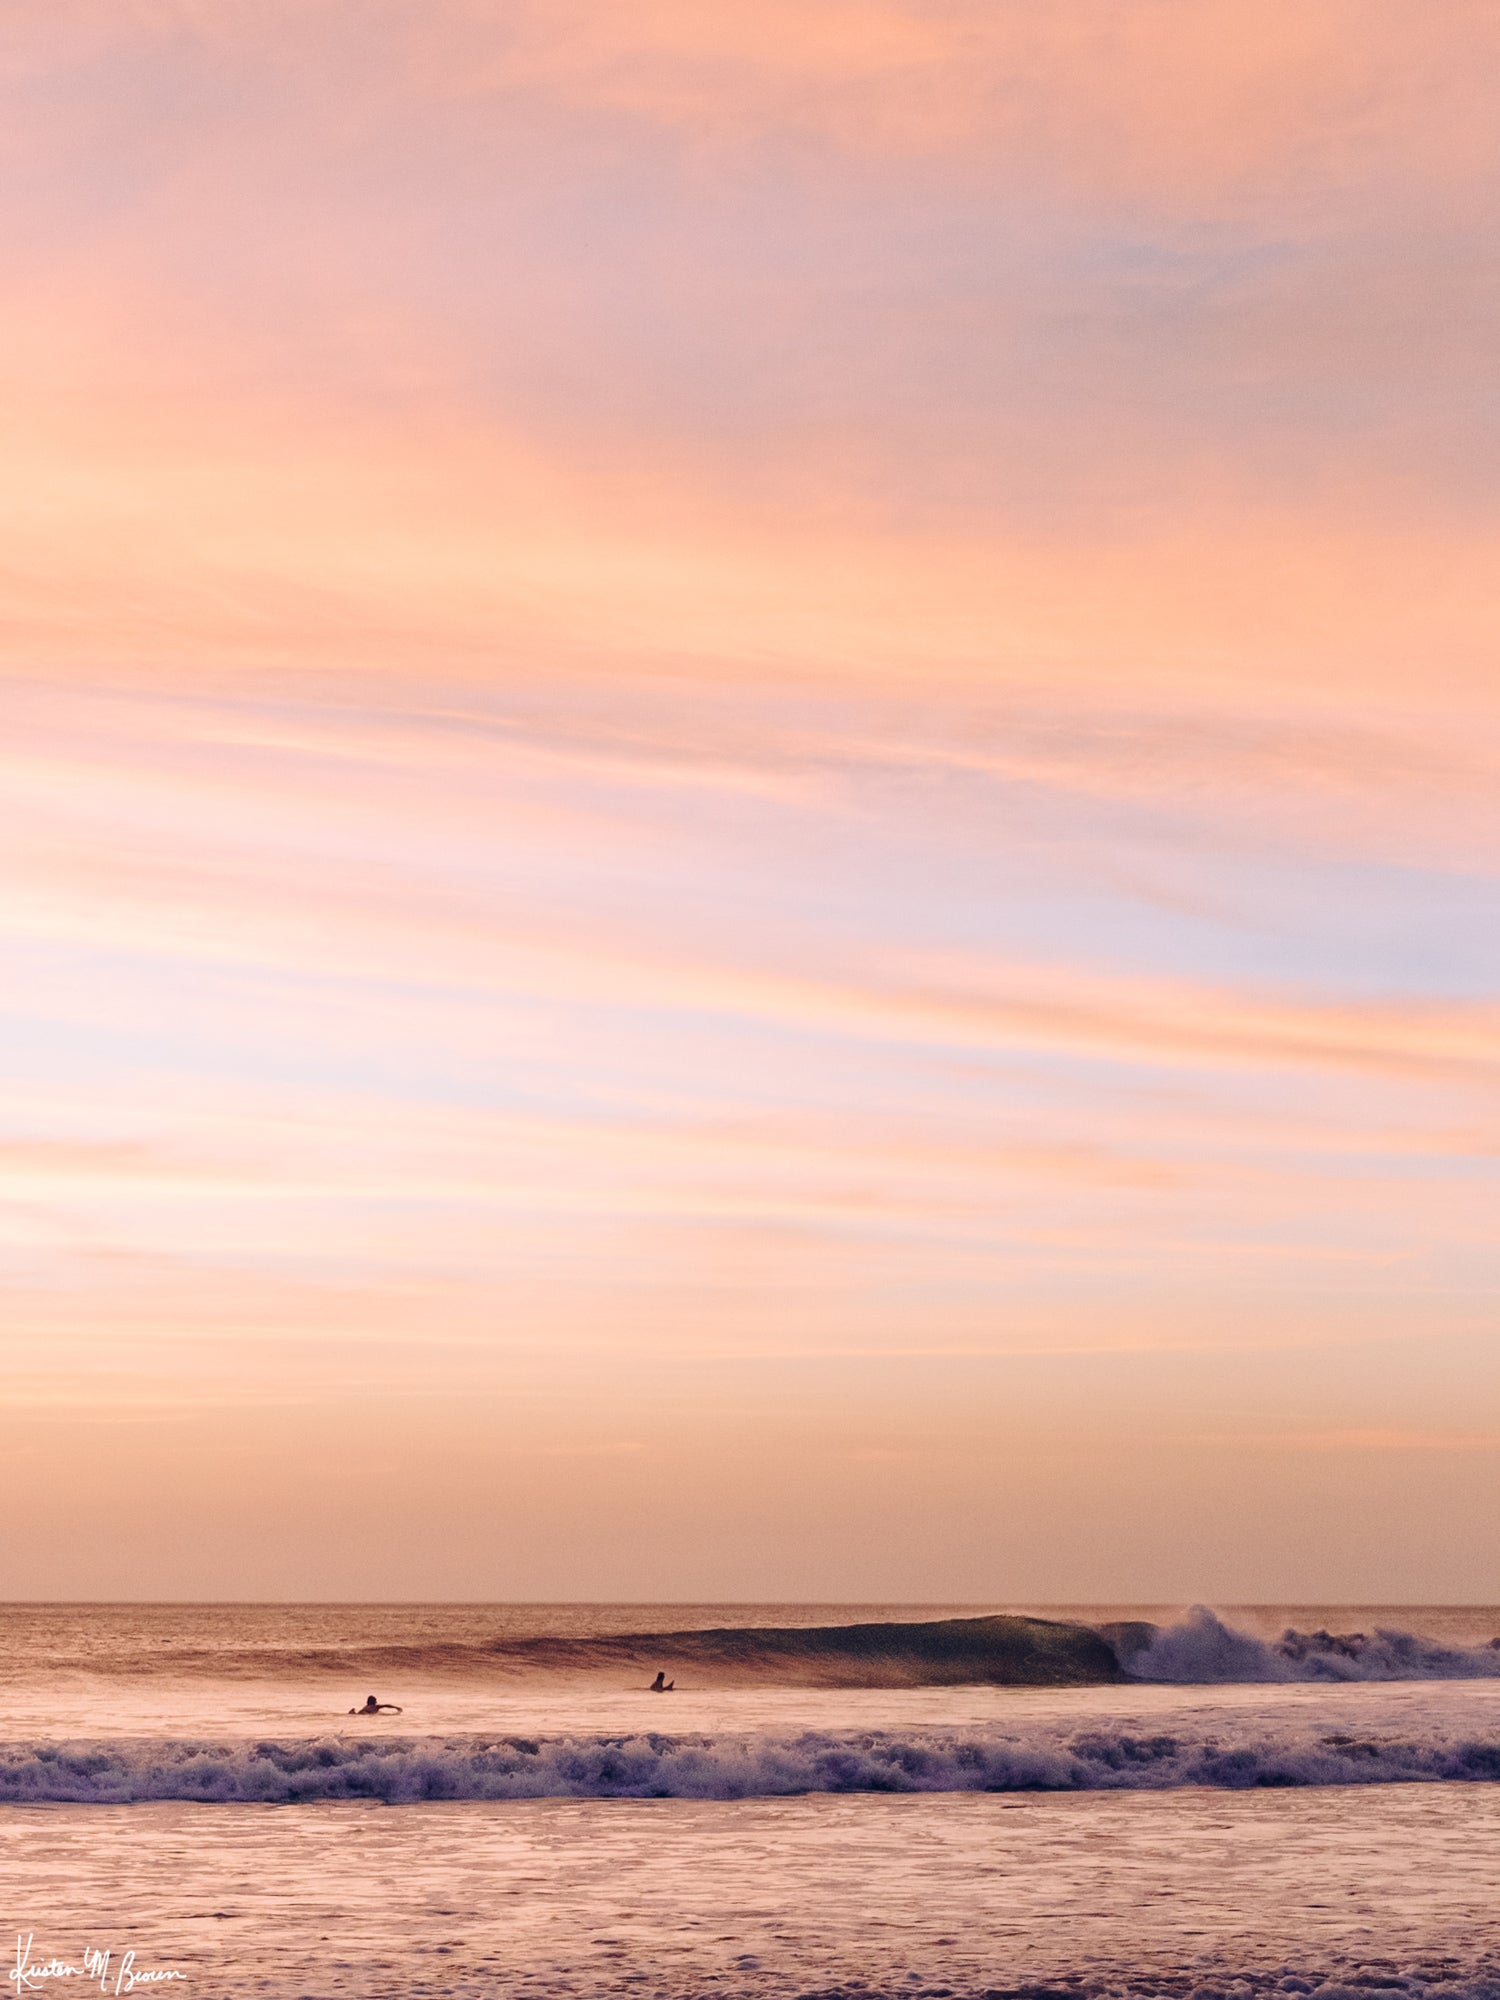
{"x": 1129, "y": 1894}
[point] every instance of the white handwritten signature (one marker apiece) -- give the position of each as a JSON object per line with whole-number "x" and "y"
{"x": 29, "y": 1973}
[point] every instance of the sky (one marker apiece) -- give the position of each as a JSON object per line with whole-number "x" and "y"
{"x": 751, "y": 766}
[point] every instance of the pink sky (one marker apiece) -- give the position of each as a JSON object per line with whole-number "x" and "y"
{"x": 752, "y": 811}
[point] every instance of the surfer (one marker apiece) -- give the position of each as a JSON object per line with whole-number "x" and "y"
{"x": 661, "y": 1685}
{"x": 374, "y": 1707}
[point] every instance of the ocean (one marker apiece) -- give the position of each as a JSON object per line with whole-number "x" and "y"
{"x": 833, "y": 1800}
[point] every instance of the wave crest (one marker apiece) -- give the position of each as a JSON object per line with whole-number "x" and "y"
{"x": 997, "y": 1650}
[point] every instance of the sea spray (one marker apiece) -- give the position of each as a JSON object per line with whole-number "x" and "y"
{"x": 1202, "y": 1650}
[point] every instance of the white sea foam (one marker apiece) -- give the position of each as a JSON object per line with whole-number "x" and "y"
{"x": 653, "y": 1765}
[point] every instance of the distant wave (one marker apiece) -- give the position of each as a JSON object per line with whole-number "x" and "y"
{"x": 1202, "y": 1649}
{"x": 1001, "y": 1651}
{"x": 947, "y": 1652}
{"x": 652, "y": 1765}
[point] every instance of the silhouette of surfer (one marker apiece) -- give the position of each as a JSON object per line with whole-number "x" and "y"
{"x": 374, "y": 1707}
{"x": 661, "y": 1685}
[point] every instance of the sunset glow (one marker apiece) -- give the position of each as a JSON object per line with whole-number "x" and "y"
{"x": 752, "y": 800}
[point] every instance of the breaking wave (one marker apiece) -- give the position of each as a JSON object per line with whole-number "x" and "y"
{"x": 1000, "y": 1650}
{"x": 1202, "y": 1649}
{"x": 652, "y": 1765}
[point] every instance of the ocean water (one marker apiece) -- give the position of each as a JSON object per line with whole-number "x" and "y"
{"x": 833, "y": 1799}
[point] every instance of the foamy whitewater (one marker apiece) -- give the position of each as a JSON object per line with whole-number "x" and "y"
{"x": 832, "y": 1799}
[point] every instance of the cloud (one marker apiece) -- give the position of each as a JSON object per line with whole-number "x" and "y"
{"x": 1167, "y": 99}
{"x": 1373, "y": 1439}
